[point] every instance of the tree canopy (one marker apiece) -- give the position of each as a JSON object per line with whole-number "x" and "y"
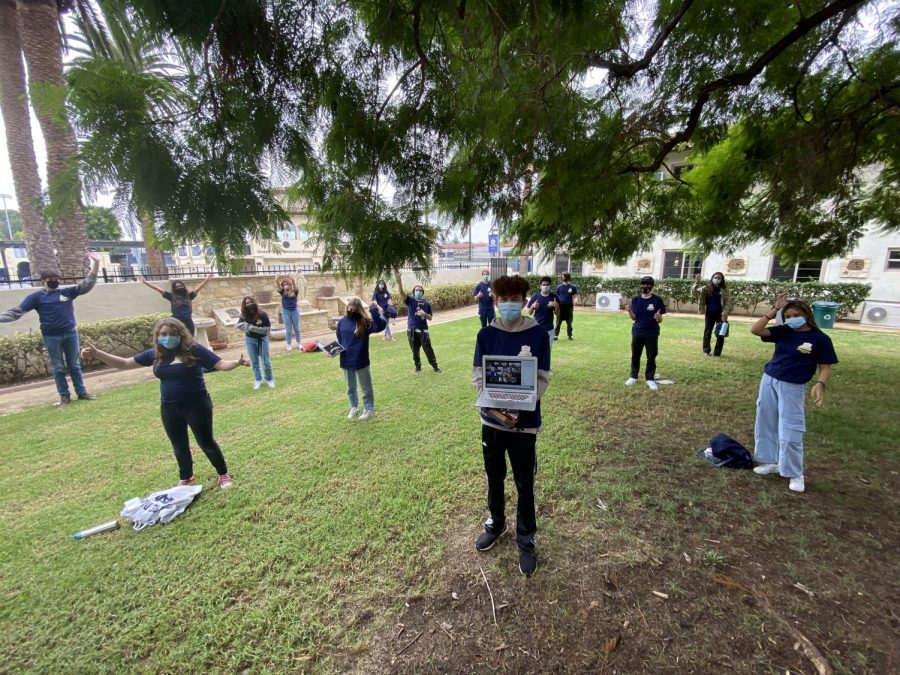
{"x": 556, "y": 118}
{"x": 102, "y": 224}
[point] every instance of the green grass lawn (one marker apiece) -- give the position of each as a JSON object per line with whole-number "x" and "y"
{"x": 333, "y": 523}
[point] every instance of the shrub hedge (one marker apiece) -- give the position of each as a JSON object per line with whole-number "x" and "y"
{"x": 23, "y": 356}
{"x": 748, "y": 295}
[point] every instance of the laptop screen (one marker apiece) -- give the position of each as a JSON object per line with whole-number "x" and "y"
{"x": 510, "y": 374}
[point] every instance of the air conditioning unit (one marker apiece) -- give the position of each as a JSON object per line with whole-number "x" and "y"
{"x": 608, "y": 302}
{"x": 884, "y": 314}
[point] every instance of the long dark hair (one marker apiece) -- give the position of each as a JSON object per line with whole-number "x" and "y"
{"x": 245, "y": 311}
{"x": 378, "y": 290}
{"x": 805, "y": 310}
{"x": 185, "y": 349}
{"x": 360, "y": 316}
{"x": 710, "y": 288}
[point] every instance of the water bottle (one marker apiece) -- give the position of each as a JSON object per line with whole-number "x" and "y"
{"x": 100, "y": 529}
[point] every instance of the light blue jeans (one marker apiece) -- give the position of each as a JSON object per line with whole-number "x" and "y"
{"x": 387, "y": 325}
{"x": 259, "y": 351}
{"x": 364, "y": 377}
{"x": 780, "y": 424}
{"x": 65, "y": 352}
{"x": 291, "y": 318}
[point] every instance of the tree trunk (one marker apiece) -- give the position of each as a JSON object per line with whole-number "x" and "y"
{"x": 14, "y": 106}
{"x": 154, "y": 256}
{"x": 42, "y": 46}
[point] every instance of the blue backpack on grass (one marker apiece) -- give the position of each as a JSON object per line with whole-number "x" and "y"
{"x": 725, "y": 452}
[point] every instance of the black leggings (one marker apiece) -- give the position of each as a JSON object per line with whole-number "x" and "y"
{"x": 565, "y": 314}
{"x": 495, "y": 444}
{"x": 712, "y": 318}
{"x": 176, "y": 418}
{"x": 189, "y": 324}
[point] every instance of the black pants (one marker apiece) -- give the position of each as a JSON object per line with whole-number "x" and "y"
{"x": 565, "y": 314}
{"x": 638, "y": 343}
{"x": 189, "y": 324}
{"x": 420, "y": 339}
{"x": 712, "y": 318}
{"x": 523, "y": 459}
{"x": 176, "y": 418}
{"x": 486, "y": 317}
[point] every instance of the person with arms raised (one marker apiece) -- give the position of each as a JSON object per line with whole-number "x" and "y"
{"x": 180, "y": 299}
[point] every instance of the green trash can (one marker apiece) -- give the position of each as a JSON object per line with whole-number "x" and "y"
{"x": 825, "y": 312}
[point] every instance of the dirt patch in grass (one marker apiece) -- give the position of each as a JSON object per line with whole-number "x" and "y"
{"x": 695, "y": 571}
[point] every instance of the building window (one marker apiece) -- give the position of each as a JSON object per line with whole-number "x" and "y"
{"x": 565, "y": 264}
{"x": 681, "y": 265}
{"x": 893, "y": 260}
{"x": 182, "y": 251}
{"x": 805, "y": 270}
{"x": 196, "y": 249}
{"x": 168, "y": 259}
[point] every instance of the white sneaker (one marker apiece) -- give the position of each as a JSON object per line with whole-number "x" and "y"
{"x": 367, "y": 414}
{"x": 797, "y": 484}
{"x": 351, "y": 413}
{"x": 651, "y": 384}
{"x": 257, "y": 384}
{"x": 765, "y": 469}
{"x": 630, "y": 381}
{"x": 289, "y": 348}
{"x": 271, "y": 383}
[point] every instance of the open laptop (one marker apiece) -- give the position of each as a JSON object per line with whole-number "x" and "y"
{"x": 509, "y": 382}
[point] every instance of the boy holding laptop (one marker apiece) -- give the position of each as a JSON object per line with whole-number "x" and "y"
{"x": 511, "y": 431}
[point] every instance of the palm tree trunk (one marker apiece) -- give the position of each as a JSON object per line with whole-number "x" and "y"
{"x": 42, "y": 46}
{"x": 154, "y": 255}
{"x": 14, "y": 106}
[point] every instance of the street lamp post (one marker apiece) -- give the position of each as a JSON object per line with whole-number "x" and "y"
{"x": 6, "y": 213}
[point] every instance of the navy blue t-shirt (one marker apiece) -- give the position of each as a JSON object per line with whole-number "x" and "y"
{"x": 543, "y": 314}
{"x": 566, "y": 293}
{"x": 491, "y": 340}
{"x": 181, "y": 304}
{"x": 55, "y": 311}
{"x": 714, "y": 300}
{"x": 288, "y": 300}
{"x": 177, "y": 382}
{"x": 381, "y": 298}
{"x": 413, "y": 305}
{"x": 356, "y": 349}
{"x": 485, "y": 302}
{"x": 644, "y": 309}
{"x": 798, "y": 353}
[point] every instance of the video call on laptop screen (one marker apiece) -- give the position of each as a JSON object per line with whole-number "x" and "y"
{"x": 509, "y": 374}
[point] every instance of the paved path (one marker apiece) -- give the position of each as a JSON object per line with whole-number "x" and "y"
{"x": 43, "y": 392}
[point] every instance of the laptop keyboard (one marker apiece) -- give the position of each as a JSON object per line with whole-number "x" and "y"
{"x": 509, "y": 397}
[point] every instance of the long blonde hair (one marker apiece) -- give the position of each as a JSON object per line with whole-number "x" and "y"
{"x": 185, "y": 349}
{"x": 362, "y": 317}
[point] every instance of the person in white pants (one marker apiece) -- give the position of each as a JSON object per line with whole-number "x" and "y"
{"x": 800, "y": 347}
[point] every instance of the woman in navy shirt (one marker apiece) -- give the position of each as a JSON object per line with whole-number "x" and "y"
{"x": 255, "y": 325}
{"x": 179, "y": 363}
{"x": 646, "y": 310}
{"x": 353, "y": 333}
{"x": 485, "y": 296}
{"x": 566, "y": 293}
{"x": 417, "y": 317}
{"x": 715, "y": 304}
{"x": 180, "y": 299}
{"x": 382, "y": 297}
{"x": 290, "y": 315}
{"x": 544, "y": 306}
{"x": 800, "y": 347}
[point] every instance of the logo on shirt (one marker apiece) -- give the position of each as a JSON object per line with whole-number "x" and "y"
{"x": 525, "y": 351}
{"x": 805, "y": 348}
{"x": 63, "y": 298}
{"x": 650, "y": 307}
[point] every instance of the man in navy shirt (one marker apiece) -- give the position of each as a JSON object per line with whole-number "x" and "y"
{"x": 566, "y": 293}
{"x": 512, "y": 334}
{"x": 646, "y": 310}
{"x": 58, "y": 330}
{"x": 544, "y": 306}
{"x": 485, "y": 297}
{"x": 418, "y": 315}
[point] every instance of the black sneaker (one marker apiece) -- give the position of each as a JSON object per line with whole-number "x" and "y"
{"x": 527, "y": 562}
{"x": 486, "y": 540}
{"x": 571, "y": 338}
{"x": 438, "y": 370}
{"x": 64, "y": 401}
{"x": 86, "y": 397}
{"x": 418, "y": 370}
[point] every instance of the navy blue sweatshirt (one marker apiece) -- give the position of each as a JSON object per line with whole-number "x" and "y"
{"x": 356, "y": 349}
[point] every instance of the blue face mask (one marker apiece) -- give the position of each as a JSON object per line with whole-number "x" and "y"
{"x": 486, "y": 278}
{"x": 716, "y": 281}
{"x": 795, "y": 322}
{"x": 381, "y": 286}
{"x": 510, "y": 311}
{"x": 169, "y": 341}
{"x": 418, "y": 294}
{"x": 545, "y": 289}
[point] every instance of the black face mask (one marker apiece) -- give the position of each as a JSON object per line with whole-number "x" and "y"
{"x": 251, "y": 309}
{"x": 53, "y": 284}
{"x": 646, "y": 289}
{"x": 180, "y": 291}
